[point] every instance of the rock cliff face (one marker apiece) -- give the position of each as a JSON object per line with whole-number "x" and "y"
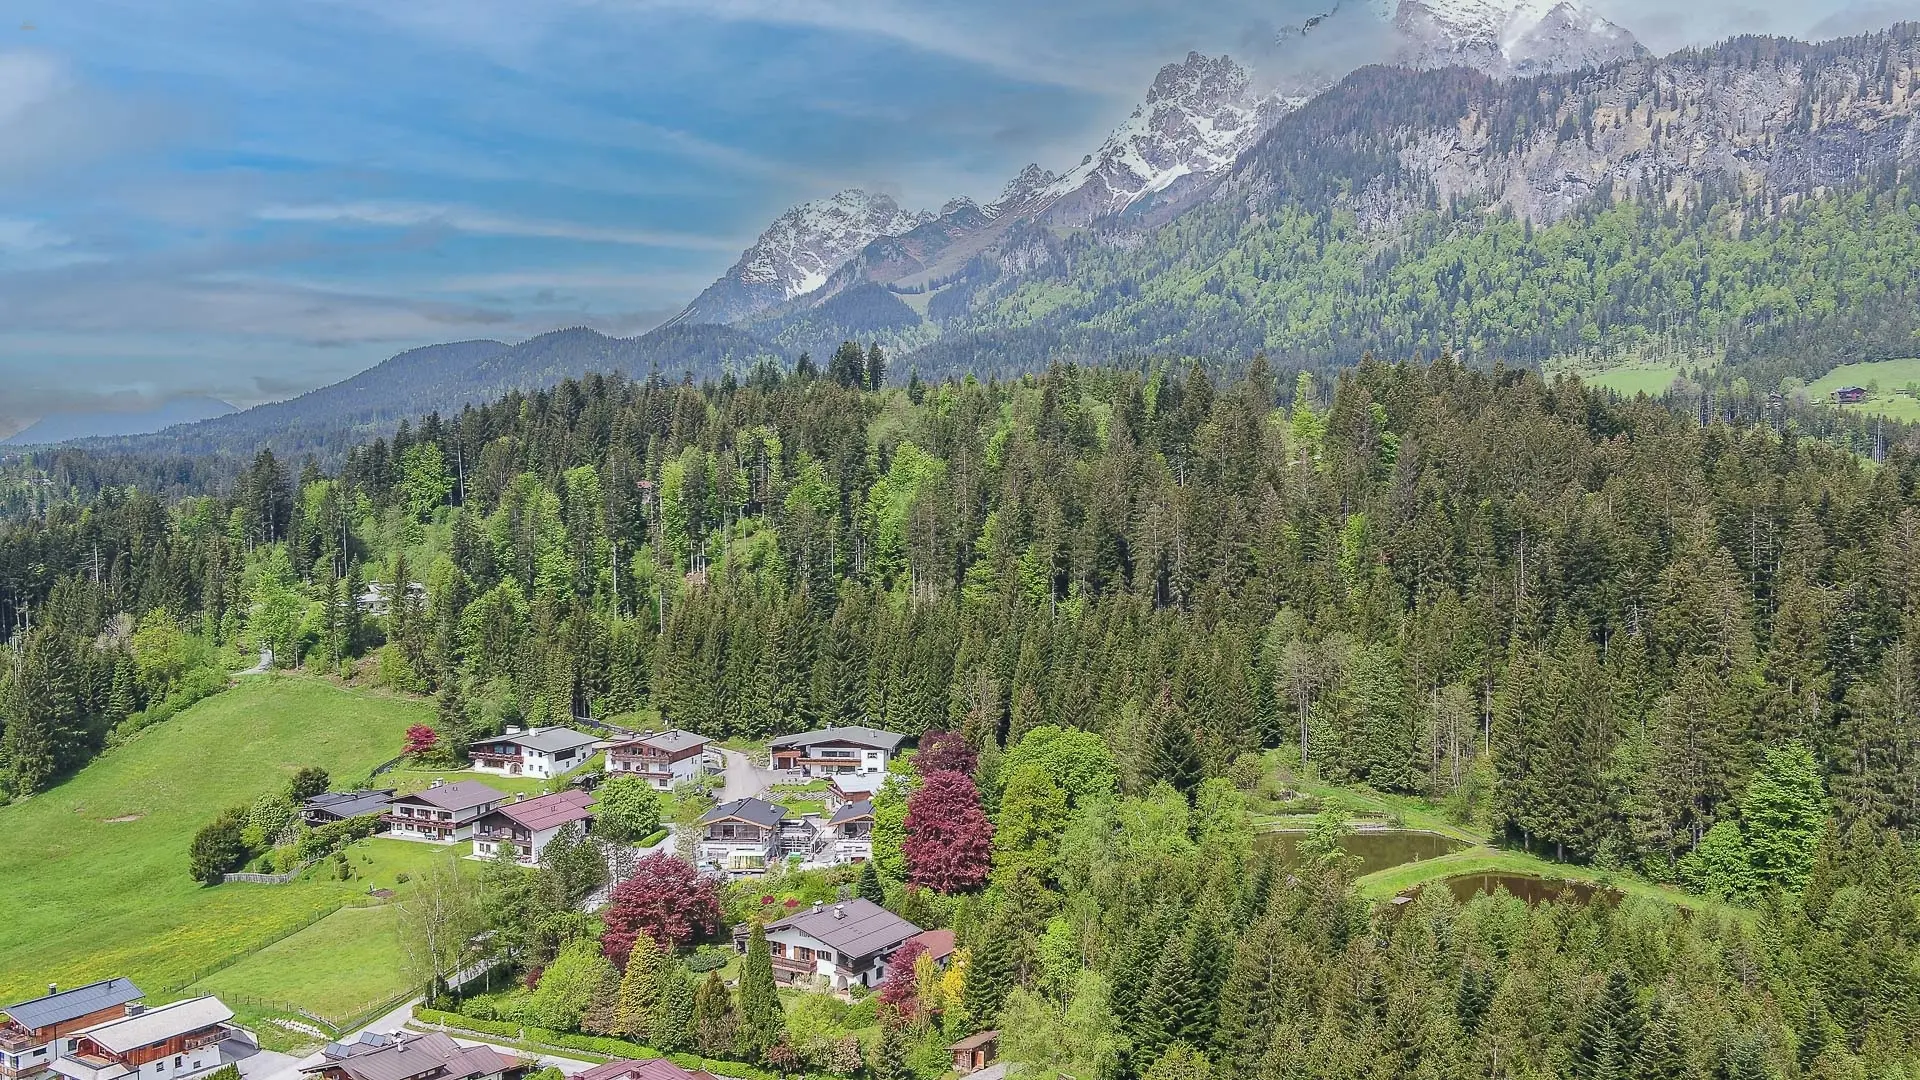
{"x": 1505, "y": 37}
{"x": 1800, "y": 121}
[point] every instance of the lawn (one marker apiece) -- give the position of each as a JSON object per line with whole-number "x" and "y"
{"x": 1630, "y": 379}
{"x": 338, "y": 967}
{"x": 95, "y": 882}
{"x": 408, "y": 781}
{"x": 1889, "y": 375}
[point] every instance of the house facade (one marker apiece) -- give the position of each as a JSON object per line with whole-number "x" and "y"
{"x": 544, "y": 752}
{"x": 31, "y": 1030}
{"x": 839, "y": 946}
{"x": 170, "y": 1041}
{"x": 836, "y": 751}
{"x": 442, "y": 814}
{"x": 742, "y": 836}
{"x": 847, "y": 837}
{"x": 527, "y": 826}
{"x": 664, "y": 759}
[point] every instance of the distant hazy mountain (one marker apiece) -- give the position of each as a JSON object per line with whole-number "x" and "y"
{"x": 62, "y": 427}
{"x": 446, "y": 378}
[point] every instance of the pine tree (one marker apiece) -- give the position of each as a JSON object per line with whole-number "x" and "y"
{"x": 890, "y": 1055}
{"x": 762, "y": 1023}
{"x": 990, "y": 969}
{"x": 876, "y": 368}
{"x": 633, "y": 1014}
{"x": 1662, "y": 1053}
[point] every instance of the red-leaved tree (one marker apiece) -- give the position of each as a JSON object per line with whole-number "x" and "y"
{"x": 420, "y": 740}
{"x": 945, "y": 751}
{"x": 900, "y": 990}
{"x": 664, "y": 898}
{"x": 949, "y": 841}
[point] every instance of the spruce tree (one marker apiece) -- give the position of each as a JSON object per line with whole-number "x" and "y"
{"x": 1174, "y": 1008}
{"x": 715, "y": 1021}
{"x": 990, "y": 969}
{"x": 1610, "y": 1034}
{"x": 870, "y": 887}
{"x": 890, "y": 1055}
{"x": 1172, "y": 756}
{"x": 633, "y": 1014}
{"x": 671, "y": 1025}
{"x": 1662, "y": 1053}
{"x": 762, "y": 1023}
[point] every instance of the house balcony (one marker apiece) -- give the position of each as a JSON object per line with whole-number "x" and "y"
{"x": 14, "y": 1039}
{"x": 795, "y": 968}
{"x": 90, "y": 1067}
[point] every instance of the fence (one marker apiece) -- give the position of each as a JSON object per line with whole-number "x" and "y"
{"x": 269, "y": 879}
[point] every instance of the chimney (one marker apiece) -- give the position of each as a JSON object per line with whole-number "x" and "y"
{"x": 819, "y": 906}
{"x": 519, "y": 796}
{"x": 513, "y": 729}
{"x": 52, "y": 989}
{"x": 437, "y": 782}
{"x": 839, "y": 911}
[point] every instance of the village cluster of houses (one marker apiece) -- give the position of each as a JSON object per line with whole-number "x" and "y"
{"x": 740, "y": 837}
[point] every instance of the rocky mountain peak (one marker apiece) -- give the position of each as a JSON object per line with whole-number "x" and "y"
{"x": 1507, "y": 37}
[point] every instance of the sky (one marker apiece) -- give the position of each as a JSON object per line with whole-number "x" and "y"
{"x": 247, "y": 199}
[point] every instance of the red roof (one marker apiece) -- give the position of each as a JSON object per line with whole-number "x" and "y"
{"x": 939, "y": 943}
{"x": 549, "y": 811}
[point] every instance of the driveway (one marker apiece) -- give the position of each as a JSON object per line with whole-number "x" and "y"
{"x": 743, "y": 778}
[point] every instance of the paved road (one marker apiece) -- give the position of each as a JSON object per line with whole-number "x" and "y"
{"x": 743, "y": 778}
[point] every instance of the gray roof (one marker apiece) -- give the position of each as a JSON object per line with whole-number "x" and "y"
{"x": 550, "y": 740}
{"x": 759, "y": 811}
{"x": 859, "y": 736}
{"x": 348, "y": 804}
{"x": 855, "y": 927}
{"x": 65, "y": 1005}
{"x": 150, "y": 1026}
{"x": 850, "y": 811}
{"x": 671, "y": 741}
{"x": 460, "y": 795}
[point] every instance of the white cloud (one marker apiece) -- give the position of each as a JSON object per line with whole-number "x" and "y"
{"x": 404, "y": 215}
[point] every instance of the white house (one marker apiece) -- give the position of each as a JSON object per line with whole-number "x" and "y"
{"x": 543, "y": 752}
{"x": 664, "y": 758}
{"x": 847, "y": 837}
{"x": 853, "y": 787}
{"x": 377, "y": 601}
{"x": 442, "y": 814}
{"x": 844, "y": 945}
{"x": 836, "y": 750}
{"x": 742, "y": 836}
{"x": 528, "y": 825}
{"x": 169, "y": 1041}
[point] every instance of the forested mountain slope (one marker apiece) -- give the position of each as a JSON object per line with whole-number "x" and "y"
{"x": 1620, "y": 636}
{"x": 1718, "y": 201}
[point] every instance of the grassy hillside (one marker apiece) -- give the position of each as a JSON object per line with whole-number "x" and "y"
{"x": 1886, "y": 377}
{"x": 93, "y": 879}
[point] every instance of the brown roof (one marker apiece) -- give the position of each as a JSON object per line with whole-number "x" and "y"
{"x": 549, "y": 811}
{"x": 432, "y": 1054}
{"x": 939, "y": 943}
{"x": 975, "y": 1042}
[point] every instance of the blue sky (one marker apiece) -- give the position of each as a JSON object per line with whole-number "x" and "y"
{"x": 251, "y": 199}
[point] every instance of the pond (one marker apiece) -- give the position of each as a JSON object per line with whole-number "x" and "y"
{"x": 1377, "y": 849}
{"x": 1531, "y": 889}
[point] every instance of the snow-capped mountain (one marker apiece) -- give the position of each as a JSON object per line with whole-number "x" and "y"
{"x": 1199, "y": 116}
{"x": 798, "y": 252}
{"x": 1505, "y": 37}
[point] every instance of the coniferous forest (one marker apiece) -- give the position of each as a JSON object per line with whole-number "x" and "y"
{"x": 1616, "y": 635}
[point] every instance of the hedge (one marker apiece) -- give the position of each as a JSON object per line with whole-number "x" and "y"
{"x": 484, "y": 1027}
{"x": 653, "y": 838}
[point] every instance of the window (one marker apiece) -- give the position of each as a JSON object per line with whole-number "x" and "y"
{"x": 176, "y": 1061}
{"x": 825, "y": 955}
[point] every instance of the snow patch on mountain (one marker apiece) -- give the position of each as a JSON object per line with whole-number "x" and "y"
{"x": 1505, "y": 37}
{"x": 799, "y": 251}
